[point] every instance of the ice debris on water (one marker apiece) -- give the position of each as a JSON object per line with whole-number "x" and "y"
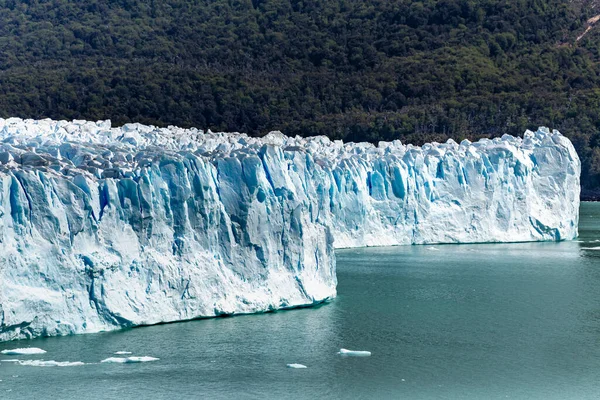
{"x": 129, "y": 360}
{"x": 50, "y": 363}
{"x": 138, "y": 225}
{"x": 296, "y": 366}
{"x": 354, "y": 353}
{"x": 23, "y": 351}
{"x": 122, "y": 352}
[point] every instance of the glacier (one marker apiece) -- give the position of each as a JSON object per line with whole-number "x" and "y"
{"x": 107, "y": 227}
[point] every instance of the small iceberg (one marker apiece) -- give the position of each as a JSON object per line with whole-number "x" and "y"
{"x": 432, "y": 248}
{"x": 296, "y": 366}
{"x": 51, "y": 363}
{"x": 123, "y": 352}
{"x": 129, "y": 360}
{"x": 23, "y": 352}
{"x": 591, "y": 248}
{"x": 354, "y": 353}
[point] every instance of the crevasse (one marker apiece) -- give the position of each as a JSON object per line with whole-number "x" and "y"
{"x": 103, "y": 228}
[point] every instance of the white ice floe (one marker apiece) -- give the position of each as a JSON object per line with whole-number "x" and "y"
{"x": 354, "y": 353}
{"x": 433, "y": 248}
{"x": 24, "y": 351}
{"x": 120, "y": 353}
{"x": 296, "y": 366}
{"x": 50, "y": 363}
{"x": 129, "y": 360}
{"x": 591, "y": 248}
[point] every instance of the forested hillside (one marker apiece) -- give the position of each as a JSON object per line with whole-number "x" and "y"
{"x": 350, "y": 69}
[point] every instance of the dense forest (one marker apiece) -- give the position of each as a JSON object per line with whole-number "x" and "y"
{"x": 349, "y": 69}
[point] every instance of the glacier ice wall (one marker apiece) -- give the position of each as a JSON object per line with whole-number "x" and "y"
{"x": 103, "y": 228}
{"x": 502, "y": 190}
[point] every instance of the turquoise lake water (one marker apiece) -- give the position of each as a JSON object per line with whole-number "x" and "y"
{"x": 485, "y": 321}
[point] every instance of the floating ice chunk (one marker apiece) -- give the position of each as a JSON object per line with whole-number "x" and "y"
{"x": 23, "y": 352}
{"x": 50, "y": 363}
{"x": 296, "y": 366}
{"x": 432, "y": 248}
{"x": 354, "y": 353}
{"x": 11, "y": 360}
{"x": 591, "y": 248}
{"x": 123, "y": 352}
{"x": 129, "y": 360}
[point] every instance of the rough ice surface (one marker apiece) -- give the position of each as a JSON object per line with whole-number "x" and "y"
{"x": 129, "y": 360}
{"x": 296, "y": 366}
{"x": 23, "y": 352}
{"x": 354, "y": 353}
{"x": 103, "y": 228}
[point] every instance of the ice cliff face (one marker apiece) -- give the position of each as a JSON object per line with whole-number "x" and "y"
{"x": 102, "y": 228}
{"x": 502, "y": 190}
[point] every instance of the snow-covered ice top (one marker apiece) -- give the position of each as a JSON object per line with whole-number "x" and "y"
{"x": 97, "y": 146}
{"x": 105, "y": 227}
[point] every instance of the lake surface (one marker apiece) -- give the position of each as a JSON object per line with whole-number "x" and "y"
{"x": 486, "y": 321}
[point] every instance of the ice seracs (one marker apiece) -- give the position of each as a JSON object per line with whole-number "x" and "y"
{"x": 103, "y": 228}
{"x": 107, "y": 228}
